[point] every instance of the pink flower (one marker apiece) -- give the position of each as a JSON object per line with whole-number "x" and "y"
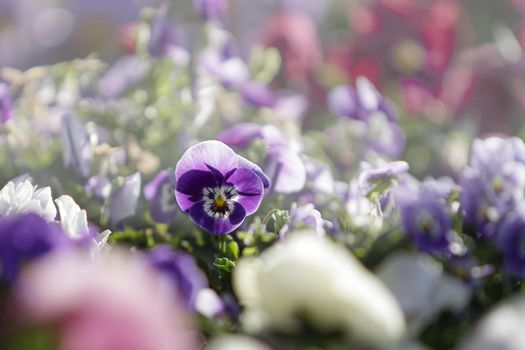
{"x": 110, "y": 303}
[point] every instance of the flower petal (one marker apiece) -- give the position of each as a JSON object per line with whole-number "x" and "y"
{"x": 249, "y": 188}
{"x": 205, "y": 154}
{"x": 217, "y": 225}
{"x": 287, "y": 169}
{"x": 245, "y": 163}
{"x": 190, "y": 185}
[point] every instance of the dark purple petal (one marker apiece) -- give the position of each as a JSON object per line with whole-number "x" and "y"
{"x": 190, "y": 187}
{"x": 207, "y": 154}
{"x": 249, "y": 188}
{"x": 217, "y": 225}
{"x": 76, "y": 145}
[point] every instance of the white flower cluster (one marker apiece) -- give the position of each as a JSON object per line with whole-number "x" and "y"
{"x": 19, "y": 197}
{"x": 306, "y": 277}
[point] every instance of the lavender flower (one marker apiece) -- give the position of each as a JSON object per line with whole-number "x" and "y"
{"x": 425, "y": 220}
{"x": 214, "y": 189}
{"x": 160, "y": 193}
{"x": 511, "y": 240}
{"x": 6, "y": 103}
{"x": 23, "y": 238}
{"x": 182, "y": 270}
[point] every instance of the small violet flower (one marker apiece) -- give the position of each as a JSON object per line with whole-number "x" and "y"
{"x": 214, "y": 187}
{"x": 161, "y": 196}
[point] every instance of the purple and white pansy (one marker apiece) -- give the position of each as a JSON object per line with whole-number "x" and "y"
{"x": 216, "y": 187}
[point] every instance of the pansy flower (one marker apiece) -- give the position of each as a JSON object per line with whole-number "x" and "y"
{"x": 216, "y": 187}
{"x": 425, "y": 219}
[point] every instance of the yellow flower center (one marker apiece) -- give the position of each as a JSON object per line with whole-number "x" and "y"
{"x": 220, "y": 202}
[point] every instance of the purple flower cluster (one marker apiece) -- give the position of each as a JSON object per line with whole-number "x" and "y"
{"x": 493, "y": 197}
{"x": 493, "y": 183}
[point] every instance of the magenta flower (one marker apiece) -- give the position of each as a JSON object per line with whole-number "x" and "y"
{"x": 216, "y": 187}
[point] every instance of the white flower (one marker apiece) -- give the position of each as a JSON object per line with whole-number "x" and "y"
{"x": 22, "y": 197}
{"x": 422, "y": 288}
{"x": 501, "y": 329}
{"x": 313, "y": 277}
{"x": 73, "y": 220}
{"x": 236, "y": 342}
